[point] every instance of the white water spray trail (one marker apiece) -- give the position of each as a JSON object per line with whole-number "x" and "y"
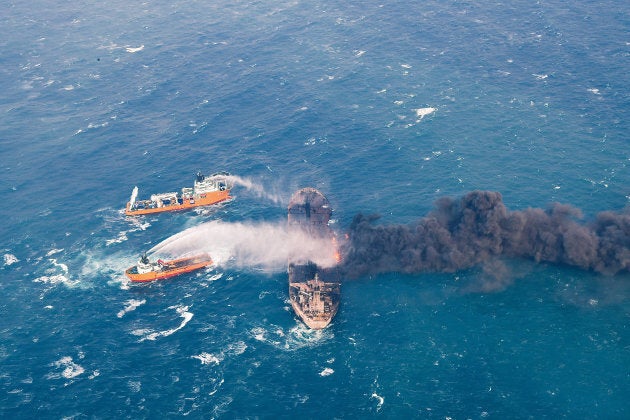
{"x": 254, "y": 187}
{"x": 263, "y": 245}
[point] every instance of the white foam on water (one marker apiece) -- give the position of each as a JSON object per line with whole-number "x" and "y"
{"x": 134, "y": 386}
{"x": 93, "y": 125}
{"x": 111, "y": 47}
{"x": 236, "y": 349}
{"x": 150, "y": 335}
{"x": 298, "y": 337}
{"x": 423, "y": 112}
{"x": 141, "y": 331}
{"x": 134, "y": 49}
{"x": 54, "y": 279}
{"x": 54, "y": 251}
{"x": 259, "y": 334}
{"x": 122, "y": 237}
{"x": 326, "y": 372}
{"x": 9, "y": 259}
{"x": 132, "y": 305}
{"x": 215, "y": 277}
{"x": 231, "y": 350}
{"x": 137, "y": 224}
{"x": 380, "y": 400}
{"x": 94, "y": 264}
{"x": 63, "y": 267}
{"x": 70, "y": 369}
{"x": 57, "y": 274}
{"x": 207, "y": 358}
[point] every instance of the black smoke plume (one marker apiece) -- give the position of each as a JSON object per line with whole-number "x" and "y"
{"x": 478, "y": 228}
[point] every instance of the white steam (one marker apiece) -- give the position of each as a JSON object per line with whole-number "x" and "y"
{"x": 262, "y": 245}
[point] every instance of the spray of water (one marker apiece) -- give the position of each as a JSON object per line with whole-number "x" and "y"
{"x": 268, "y": 246}
{"x": 254, "y": 187}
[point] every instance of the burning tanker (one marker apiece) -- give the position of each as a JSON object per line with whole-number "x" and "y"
{"x": 314, "y": 291}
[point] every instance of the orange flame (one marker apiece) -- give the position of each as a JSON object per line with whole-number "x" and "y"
{"x": 336, "y": 248}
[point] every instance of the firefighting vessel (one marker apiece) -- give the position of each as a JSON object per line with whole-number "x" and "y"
{"x": 206, "y": 190}
{"x": 314, "y": 292}
{"x": 145, "y": 270}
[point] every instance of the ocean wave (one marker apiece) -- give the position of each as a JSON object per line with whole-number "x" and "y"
{"x": 134, "y": 49}
{"x": 326, "y": 372}
{"x": 134, "y": 386}
{"x": 122, "y": 237}
{"x": 380, "y": 400}
{"x": 137, "y": 225}
{"x": 69, "y": 369}
{"x": 57, "y": 274}
{"x": 132, "y": 304}
{"x": 9, "y": 259}
{"x": 151, "y": 335}
{"x": 298, "y": 337}
{"x": 423, "y": 112}
{"x": 233, "y": 349}
{"x": 207, "y": 358}
{"x": 53, "y": 279}
{"x": 54, "y": 251}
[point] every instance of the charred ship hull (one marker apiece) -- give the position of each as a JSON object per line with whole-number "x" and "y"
{"x": 314, "y": 292}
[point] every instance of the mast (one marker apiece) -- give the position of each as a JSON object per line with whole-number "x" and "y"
{"x": 134, "y": 195}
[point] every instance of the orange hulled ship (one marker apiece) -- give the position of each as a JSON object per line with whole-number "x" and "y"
{"x": 146, "y": 270}
{"x": 207, "y": 190}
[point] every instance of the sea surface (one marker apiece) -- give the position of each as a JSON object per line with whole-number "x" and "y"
{"x": 385, "y": 107}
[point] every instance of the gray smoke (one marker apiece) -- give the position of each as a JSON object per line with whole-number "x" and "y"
{"x": 478, "y": 228}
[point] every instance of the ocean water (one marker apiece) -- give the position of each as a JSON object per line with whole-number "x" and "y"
{"x": 385, "y": 107}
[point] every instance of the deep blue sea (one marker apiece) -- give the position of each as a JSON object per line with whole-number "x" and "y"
{"x": 385, "y": 107}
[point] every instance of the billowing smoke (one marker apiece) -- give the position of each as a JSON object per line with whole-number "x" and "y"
{"x": 261, "y": 245}
{"x": 477, "y": 229}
